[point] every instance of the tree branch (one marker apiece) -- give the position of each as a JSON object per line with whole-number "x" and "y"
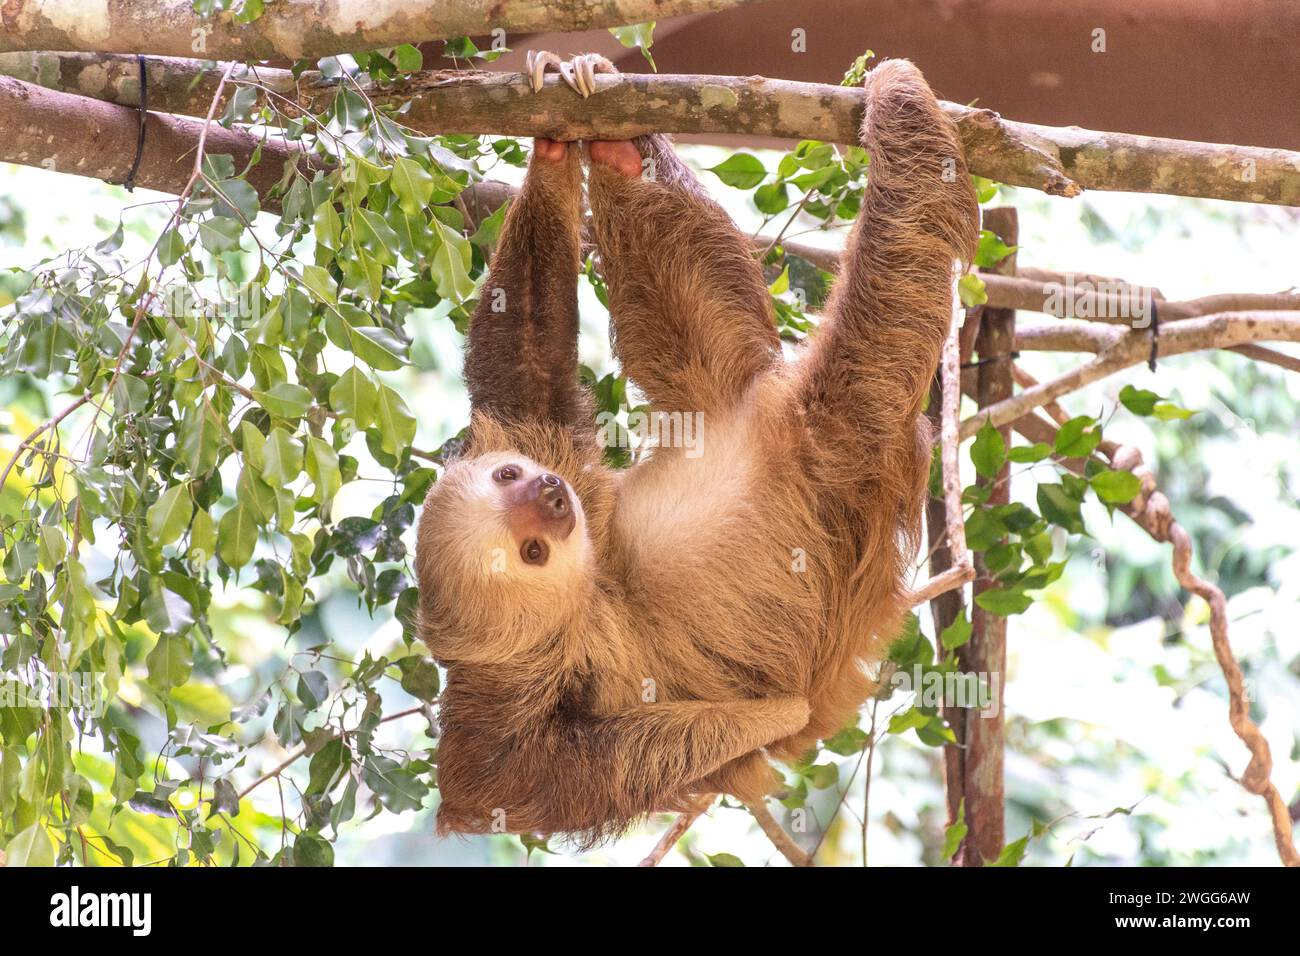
{"x": 962, "y": 569}
{"x": 783, "y": 842}
{"x": 677, "y": 830}
{"x": 292, "y": 29}
{"x": 1057, "y": 160}
{"x": 1150, "y": 510}
{"x": 1126, "y": 349}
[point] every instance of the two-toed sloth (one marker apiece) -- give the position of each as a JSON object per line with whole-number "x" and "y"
{"x": 619, "y": 642}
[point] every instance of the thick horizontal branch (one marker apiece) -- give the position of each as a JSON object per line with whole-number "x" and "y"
{"x": 86, "y": 137}
{"x": 70, "y": 134}
{"x": 1056, "y": 160}
{"x": 290, "y": 29}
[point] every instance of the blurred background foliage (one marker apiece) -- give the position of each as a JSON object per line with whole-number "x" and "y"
{"x": 245, "y": 501}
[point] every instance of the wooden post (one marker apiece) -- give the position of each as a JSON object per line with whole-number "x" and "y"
{"x": 945, "y": 608}
{"x": 981, "y": 733}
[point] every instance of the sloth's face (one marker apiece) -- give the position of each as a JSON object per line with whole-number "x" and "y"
{"x": 509, "y": 516}
{"x": 502, "y": 546}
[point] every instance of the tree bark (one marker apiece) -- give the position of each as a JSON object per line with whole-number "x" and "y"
{"x": 292, "y": 29}
{"x": 985, "y": 654}
{"x": 85, "y": 137}
{"x": 1057, "y": 160}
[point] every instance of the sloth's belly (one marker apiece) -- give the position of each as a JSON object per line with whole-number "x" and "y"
{"x": 682, "y": 509}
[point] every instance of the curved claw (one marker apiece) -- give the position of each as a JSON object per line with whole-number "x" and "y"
{"x": 535, "y": 65}
{"x": 584, "y": 68}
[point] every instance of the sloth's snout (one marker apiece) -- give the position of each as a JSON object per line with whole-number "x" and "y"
{"x": 542, "y": 507}
{"x": 552, "y": 494}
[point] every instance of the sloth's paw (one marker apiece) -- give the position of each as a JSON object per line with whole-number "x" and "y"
{"x": 620, "y": 155}
{"x": 549, "y": 149}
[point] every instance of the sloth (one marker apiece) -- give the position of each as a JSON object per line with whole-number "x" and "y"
{"x": 620, "y": 642}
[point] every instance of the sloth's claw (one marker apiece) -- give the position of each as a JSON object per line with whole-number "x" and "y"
{"x": 536, "y": 64}
{"x": 578, "y": 73}
{"x": 585, "y": 67}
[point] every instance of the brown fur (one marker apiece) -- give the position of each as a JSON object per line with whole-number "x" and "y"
{"x": 685, "y": 579}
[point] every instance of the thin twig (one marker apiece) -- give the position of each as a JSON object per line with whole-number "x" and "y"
{"x": 783, "y": 842}
{"x": 962, "y": 570}
{"x": 677, "y": 831}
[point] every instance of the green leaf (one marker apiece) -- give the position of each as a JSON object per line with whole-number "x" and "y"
{"x": 1057, "y": 506}
{"x": 412, "y": 185}
{"x": 51, "y": 546}
{"x": 328, "y": 229}
{"x": 989, "y": 451}
{"x": 419, "y": 678}
{"x": 313, "y": 689}
{"x": 395, "y": 422}
{"x": 909, "y": 719}
{"x": 956, "y": 634}
{"x": 378, "y": 347}
{"x": 639, "y": 36}
{"x": 1140, "y": 401}
{"x": 849, "y": 741}
{"x": 170, "y": 662}
{"x": 166, "y": 611}
{"x": 1078, "y": 437}
{"x": 1013, "y": 853}
{"x": 220, "y": 234}
{"x": 450, "y": 264}
{"x": 397, "y": 787}
{"x": 320, "y": 282}
{"x": 1168, "y": 411}
{"x": 725, "y": 859}
{"x": 1116, "y": 487}
{"x": 285, "y": 400}
{"x": 409, "y": 59}
{"x": 771, "y": 198}
{"x": 323, "y": 469}
{"x": 1003, "y": 601}
{"x": 991, "y": 250}
{"x": 236, "y": 199}
{"x": 984, "y": 529}
{"x": 956, "y": 832}
{"x": 328, "y": 766}
{"x": 740, "y": 170}
{"x": 970, "y": 288}
{"x": 312, "y": 850}
{"x": 130, "y": 394}
{"x": 171, "y": 246}
{"x": 1027, "y": 454}
{"x": 31, "y": 847}
{"x": 354, "y": 396}
{"x": 281, "y": 459}
{"x": 170, "y": 515}
{"x": 237, "y": 535}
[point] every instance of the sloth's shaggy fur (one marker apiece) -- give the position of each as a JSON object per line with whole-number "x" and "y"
{"x": 711, "y": 611}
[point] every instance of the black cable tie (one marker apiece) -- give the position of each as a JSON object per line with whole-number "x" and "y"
{"x": 1155, "y": 335}
{"x": 144, "y": 113}
{"x": 991, "y": 358}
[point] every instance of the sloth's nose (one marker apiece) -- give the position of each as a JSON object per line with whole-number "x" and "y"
{"x": 550, "y": 490}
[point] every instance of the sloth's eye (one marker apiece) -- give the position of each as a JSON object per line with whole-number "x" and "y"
{"x": 506, "y": 474}
{"x": 534, "y": 552}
